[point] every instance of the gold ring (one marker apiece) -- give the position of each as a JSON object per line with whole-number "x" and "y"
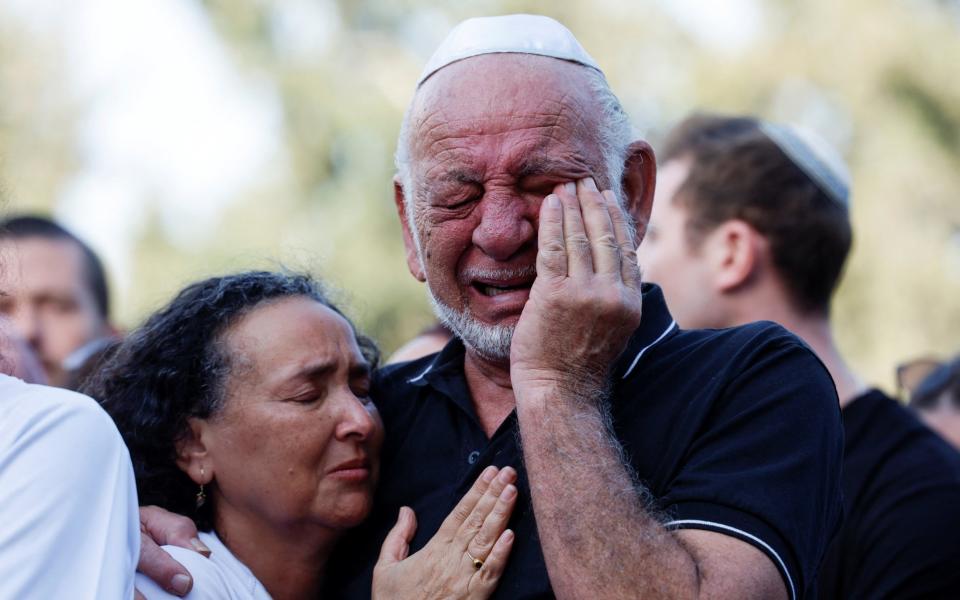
{"x": 477, "y": 563}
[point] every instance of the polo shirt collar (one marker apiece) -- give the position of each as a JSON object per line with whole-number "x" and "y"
{"x": 656, "y": 325}
{"x": 449, "y": 359}
{"x": 445, "y": 375}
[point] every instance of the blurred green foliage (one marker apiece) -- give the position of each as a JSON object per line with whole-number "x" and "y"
{"x": 879, "y": 78}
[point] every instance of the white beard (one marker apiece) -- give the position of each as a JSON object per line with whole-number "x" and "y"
{"x": 489, "y": 341}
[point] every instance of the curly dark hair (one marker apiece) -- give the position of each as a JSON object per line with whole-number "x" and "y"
{"x": 175, "y": 367}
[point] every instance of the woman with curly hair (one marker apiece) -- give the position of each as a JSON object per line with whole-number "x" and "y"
{"x": 245, "y": 405}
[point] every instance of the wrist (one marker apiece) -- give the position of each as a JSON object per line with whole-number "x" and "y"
{"x": 565, "y": 392}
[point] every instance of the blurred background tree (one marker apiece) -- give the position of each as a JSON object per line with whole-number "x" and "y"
{"x": 192, "y": 137}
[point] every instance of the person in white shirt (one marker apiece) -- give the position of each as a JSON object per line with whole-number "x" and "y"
{"x": 69, "y": 526}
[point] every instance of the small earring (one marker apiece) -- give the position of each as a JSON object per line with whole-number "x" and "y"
{"x": 201, "y": 495}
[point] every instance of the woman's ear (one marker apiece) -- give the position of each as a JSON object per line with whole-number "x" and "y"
{"x": 193, "y": 458}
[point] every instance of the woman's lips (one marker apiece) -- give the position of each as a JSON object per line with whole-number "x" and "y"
{"x": 355, "y": 470}
{"x": 357, "y": 475}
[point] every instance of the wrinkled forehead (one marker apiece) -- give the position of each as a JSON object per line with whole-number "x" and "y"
{"x": 550, "y": 100}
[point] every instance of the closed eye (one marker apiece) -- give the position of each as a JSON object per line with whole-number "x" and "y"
{"x": 541, "y": 185}
{"x": 456, "y": 202}
{"x": 307, "y": 398}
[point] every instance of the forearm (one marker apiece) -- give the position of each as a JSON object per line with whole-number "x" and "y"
{"x": 600, "y": 534}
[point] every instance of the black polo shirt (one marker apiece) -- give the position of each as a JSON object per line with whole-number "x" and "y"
{"x": 901, "y": 496}
{"x": 736, "y": 431}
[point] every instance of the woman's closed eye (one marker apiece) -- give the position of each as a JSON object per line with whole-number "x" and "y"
{"x": 310, "y": 396}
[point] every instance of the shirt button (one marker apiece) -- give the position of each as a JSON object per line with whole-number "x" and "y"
{"x": 474, "y": 456}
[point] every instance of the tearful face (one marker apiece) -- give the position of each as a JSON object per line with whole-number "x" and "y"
{"x": 298, "y": 440}
{"x": 492, "y": 136}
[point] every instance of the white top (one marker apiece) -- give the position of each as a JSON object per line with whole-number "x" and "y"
{"x": 69, "y": 524}
{"x": 814, "y": 156}
{"x": 220, "y": 577}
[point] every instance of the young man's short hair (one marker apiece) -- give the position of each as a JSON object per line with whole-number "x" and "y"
{"x": 32, "y": 226}
{"x": 738, "y": 172}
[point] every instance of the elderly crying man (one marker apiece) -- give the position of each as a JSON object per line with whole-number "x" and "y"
{"x": 653, "y": 462}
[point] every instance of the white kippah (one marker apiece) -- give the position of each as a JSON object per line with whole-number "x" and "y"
{"x": 815, "y": 157}
{"x": 523, "y": 34}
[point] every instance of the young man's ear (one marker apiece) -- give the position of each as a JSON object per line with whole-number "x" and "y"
{"x": 736, "y": 252}
{"x": 192, "y": 455}
{"x": 413, "y": 256}
{"x": 639, "y": 182}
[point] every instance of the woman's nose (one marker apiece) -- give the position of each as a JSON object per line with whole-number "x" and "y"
{"x": 356, "y": 419}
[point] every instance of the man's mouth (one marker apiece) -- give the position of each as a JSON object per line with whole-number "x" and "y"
{"x": 496, "y": 282}
{"x": 496, "y": 289}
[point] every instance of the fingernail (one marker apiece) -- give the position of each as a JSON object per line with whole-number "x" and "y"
{"x": 609, "y": 197}
{"x": 506, "y": 476}
{"x": 571, "y": 188}
{"x": 180, "y": 584}
{"x": 589, "y": 183}
{"x": 553, "y": 201}
{"x": 489, "y": 473}
{"x": 508, "y": 492}
{"x": 199, "y": 546}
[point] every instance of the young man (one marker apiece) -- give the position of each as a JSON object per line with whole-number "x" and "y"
{"x": 55, "y": 294}
{"x": 751, "y": 223}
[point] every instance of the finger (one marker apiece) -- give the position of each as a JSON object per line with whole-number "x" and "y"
{"x": 159, "y": 566}
{"x": 463, "y": 509}
{"x": 596, "y": 221}
{"x": 494, "y": 525}
{"x": 396, "y": 546}
{"x": 625, "y": 232}
{"x": 579, "y": 258}
{"x": 472, "y": 525}
{"x": 551, "y": 249}
{"x": 488, "y": 576}
{"x": 167, "y": 528}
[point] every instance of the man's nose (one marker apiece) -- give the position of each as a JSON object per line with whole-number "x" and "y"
{"x": 26, "y": 321}
{"x": 507, "y": 225}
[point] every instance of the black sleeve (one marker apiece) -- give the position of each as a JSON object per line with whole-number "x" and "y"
{"x": 766, "y": 468}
